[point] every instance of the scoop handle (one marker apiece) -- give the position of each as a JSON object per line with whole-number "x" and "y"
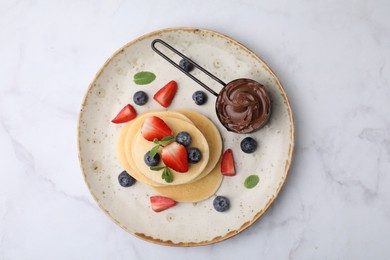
{"x": 190, "y": 61}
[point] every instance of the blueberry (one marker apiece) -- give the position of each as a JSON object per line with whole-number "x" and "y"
{"x": 221, "y": 203}
{"x": 183, "y": 138}
{"x": 199, "y": 97}
{"x": 186, "y": 65}
{"x": 248, "y": 145}
{"x": 194, "y": 155}
{"x": 125, "y": 180}
{"x": 140, "y": 98}
{"x": 149, "y": 161}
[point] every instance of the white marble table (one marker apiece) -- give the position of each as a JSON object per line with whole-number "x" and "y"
{"x": 333, "y": 58}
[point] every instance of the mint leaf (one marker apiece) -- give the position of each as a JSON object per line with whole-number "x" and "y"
{"x": 167, "y": 175}
{"x": 157, "y": 168}
{"x": 167, "y": 139}
{"x": 251, "y": 181}
{"x": 144, "y": 77}
{"x": 154, "y": 151}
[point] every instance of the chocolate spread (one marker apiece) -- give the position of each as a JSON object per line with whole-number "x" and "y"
{"x": 243, "y": 106}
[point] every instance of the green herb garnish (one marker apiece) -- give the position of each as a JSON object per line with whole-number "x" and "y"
{"x": 144, "y": 77}
{"x": 251, "y": 181}
{"x": 154, "y": 151}
{"x": 166, "y": 174}
{"x": 157, "y": 168}
{"x": 164, "y": 141}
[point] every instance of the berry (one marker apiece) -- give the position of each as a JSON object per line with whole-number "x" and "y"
{"x": 166, "y": 94}
{"x": 248, "y": 145}
{"x": 174, "y": 155}
{"x": 160, "y": 203}
{"x": 155, "y": 127}
{"x": 125, "y": 180}
{"x": 126, "y": 114}
{"x": 221, "y": 203}
{"x": 140, "y": 98}
{"x": 227, "y": 164}
{"x": 183, "y": 138}
{"x": 199, "y": 97}
{"x": 149, "y": 161}
{"x": 186, "y": 65}
{"x": 194, "y": 155}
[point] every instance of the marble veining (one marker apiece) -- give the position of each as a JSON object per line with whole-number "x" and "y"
{"x": 332, "y": 58}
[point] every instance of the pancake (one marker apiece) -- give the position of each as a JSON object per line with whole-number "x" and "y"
{"x": 195, "y": 191}
{"x": 120, "y": 145}
{"x": 212, "y": 135}
{"x": 140, "y": 146}
{"x": 206, "y": 184}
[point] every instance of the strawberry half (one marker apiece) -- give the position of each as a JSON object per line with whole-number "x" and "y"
{"x": 160, "y": 203}
{"x": 165, "y": 95}
{"x": 126, "y": 114}
{"x": 174, "y": 155}
{"x": 155, "y": 127}
{"x": 227, "y": 164}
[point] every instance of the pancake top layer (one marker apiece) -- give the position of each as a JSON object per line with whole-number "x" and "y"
{"x": 141, "y": 146}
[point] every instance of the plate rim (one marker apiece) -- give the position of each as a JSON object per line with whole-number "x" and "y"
{"x": 257, "y": 216}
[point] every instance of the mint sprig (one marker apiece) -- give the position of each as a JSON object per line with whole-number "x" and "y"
{"x": 251, "y": 181}
{"x": 144, "y": 77}
{"x": 166, "y": 174}
{"x": 154, "y": 151}
{"x": 157, "y": 168}
{"x": 163, "y": 142}
{"x": 167, "y": 140}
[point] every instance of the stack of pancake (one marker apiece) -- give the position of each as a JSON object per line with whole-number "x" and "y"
{"x": 201, "y": 180}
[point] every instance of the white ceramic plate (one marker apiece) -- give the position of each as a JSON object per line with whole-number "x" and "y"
{"x": 187, "y": 224}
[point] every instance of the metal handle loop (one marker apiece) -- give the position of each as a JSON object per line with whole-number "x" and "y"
{"x": 189, "y": 60}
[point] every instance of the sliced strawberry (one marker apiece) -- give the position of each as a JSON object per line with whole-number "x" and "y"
{"x": 165, "y": 95}
{"x": 160, "y": 203}
{"x": 174, "y": 155}
{"x": 155, "y": 127}
{"x": 126, "y": 114}
{"x": 227, "y": 164}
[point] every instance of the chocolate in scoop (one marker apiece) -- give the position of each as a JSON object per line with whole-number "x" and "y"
{"x": 243, "y": 106}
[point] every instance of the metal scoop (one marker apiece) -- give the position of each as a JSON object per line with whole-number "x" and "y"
{"x": 229, "y": 114}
